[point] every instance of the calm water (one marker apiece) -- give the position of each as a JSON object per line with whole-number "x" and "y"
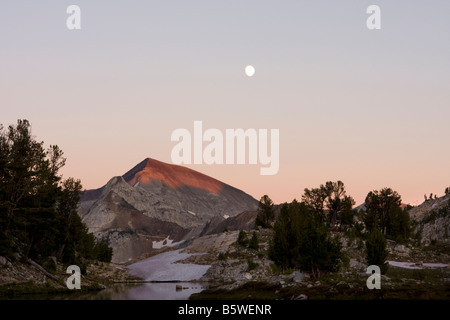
{"x": 162, "y": 267}
{"x": 145, "y": 291}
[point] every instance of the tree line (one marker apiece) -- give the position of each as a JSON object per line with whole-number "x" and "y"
{"x": 306, "y": 233}
{"x": 38, "y": 209}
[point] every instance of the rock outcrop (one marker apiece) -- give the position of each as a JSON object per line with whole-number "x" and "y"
{"x": 433, "y": 220}
{"x": 243, "y": 221}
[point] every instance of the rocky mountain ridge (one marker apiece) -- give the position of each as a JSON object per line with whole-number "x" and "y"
{"x": 157, "y": 204}
{"x": 432, "y": 220}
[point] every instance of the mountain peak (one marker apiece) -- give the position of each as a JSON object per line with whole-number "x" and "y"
{"x": 114, "y": 181}
{"x": 175, "y": 176}
{"x": 171, "y": 203}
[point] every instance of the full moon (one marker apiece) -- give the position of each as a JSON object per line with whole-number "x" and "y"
{"x": 249, "y": 70}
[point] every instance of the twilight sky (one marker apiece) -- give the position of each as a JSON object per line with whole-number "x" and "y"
{"x": 368, "y": 107}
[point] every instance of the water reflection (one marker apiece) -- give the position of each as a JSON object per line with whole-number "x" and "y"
{"x": 143, "y": 291}
{"x": 147, "y": 291}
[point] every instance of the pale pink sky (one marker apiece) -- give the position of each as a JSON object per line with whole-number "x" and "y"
{"x": 370, "y": 108}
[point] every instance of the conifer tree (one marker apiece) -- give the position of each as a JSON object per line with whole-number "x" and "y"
{"x": 383, "y": 211}
{"x": 38, "y": 215}
{"x": 265, "y": 214}
{"x": 300, "y": 240}
{"x": 376, "y": 250}
{"x": 242, "y": 238}
{"x": 254, "y": 242}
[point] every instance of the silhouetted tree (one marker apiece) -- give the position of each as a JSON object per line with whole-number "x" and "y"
{"x": 314, "y": 199}
{"x": 383, "y": 211}
{"x": 286, "y": 234}
{"x": 103, "y": 251}
{"x": 254, "y": 242}
{"x": 242, "y": 239}
{"x": 37, "y": 209}
{"x": 337, "y": 202}
{"x": 67, "y": 208}
{"x": 380, "y": 203}
{"x": 399, "y": 225}
{"x": 333, "y": 198}
{"x": 318, "y": 251}
{"x": 376, "y": 250}
{"x": 265, "y": 214}
{"x": 300, "y": 240}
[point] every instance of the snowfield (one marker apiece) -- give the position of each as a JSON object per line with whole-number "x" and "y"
{"x": 162, "y": 267}
{"x": 413, "y": 265}
{"x": 167, "y": 242}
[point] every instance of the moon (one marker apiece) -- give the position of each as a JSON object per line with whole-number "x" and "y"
{"x": 250, "y": 70}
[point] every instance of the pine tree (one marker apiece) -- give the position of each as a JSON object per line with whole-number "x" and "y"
{"x": 380, "y": 204}
{"x": 254, "y": 242}
{"x": 376, "y": 250}
{"x": 242, "y": 238}
{"x": 300, "y": 240}
{"x": 338, "y": 202}
{"x": 384, "y": 212}
{"x": 38, "y": 215}
{"x": 265, "y": 214}
{"x": 280, "y": 244}
{"x": 67, "y": 209}
{"x": 331, "y": 196}
{"x": 103, "y": 250}
{"x": 314, "y": 199}
{"x": 399, "y": 225}
{"x": 318, "y": 251}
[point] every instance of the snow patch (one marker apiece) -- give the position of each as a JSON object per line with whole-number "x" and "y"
{"x": 163, "y": 243}
{"x": 136, "y": 184}
{"x": 405, "y": 265}
{"x": 226, "y": 216}
{"x": 435, "y": 265}
{"x": 193, "y": 213}
{"x": 413, "y": 265}
{"x": 163, "y": 267}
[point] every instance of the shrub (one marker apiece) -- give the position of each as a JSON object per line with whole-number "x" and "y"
{"x": 276, "y": 269}
{"x": 242, "y": 238}
{"x": 222, "y": 256}
{"x": 251, "y": 265}
{"x": 254, "y": 242}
